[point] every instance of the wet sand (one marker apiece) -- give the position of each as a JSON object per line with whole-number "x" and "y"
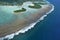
{"x": 18, "y": 24}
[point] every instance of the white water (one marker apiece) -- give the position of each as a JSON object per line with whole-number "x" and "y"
{"x": 27, "y": 27}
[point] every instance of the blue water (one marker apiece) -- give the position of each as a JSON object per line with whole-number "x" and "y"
{"x": 48, "y": 29}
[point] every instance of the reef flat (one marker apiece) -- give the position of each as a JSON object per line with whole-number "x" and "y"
{"x": 15, "y": 18}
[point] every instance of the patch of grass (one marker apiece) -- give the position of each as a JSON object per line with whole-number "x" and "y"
{"x": 21, "y": 10}
{"x": 36, "y": 6}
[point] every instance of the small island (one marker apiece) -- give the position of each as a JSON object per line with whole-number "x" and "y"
{"x": 21, "y": 10}
{"x": 36, "y": 6}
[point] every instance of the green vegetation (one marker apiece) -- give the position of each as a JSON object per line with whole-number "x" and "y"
{"x": 36, "y": 6}
{"x": 21, "y": 10}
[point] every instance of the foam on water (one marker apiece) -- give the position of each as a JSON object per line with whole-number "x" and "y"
{"x": 27, "y": 27}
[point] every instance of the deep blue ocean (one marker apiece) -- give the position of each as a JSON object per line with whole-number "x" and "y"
{"x": 48, "y": 29}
